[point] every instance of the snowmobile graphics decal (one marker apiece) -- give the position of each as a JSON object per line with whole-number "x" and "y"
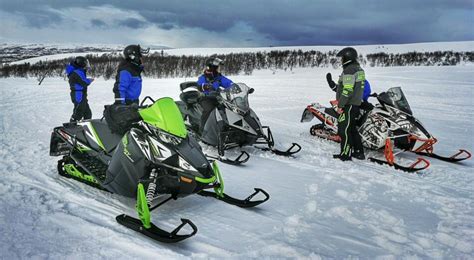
{"x": 238, "y": 121}
{"x": 91, "y": 133}
{"x": 143, "y": 144}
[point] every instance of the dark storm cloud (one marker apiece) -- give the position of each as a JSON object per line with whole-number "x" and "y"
{"x": 98, "y": 23}
{"x": 285, "y": 21}
{"x": 132, "y": 23}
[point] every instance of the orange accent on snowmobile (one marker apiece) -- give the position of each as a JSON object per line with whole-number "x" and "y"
{"x": 427, "y": 146}
{"x": 418, "y": 161}
{"x": 320, "y": 116}
{"x": 388, "y": 152}
{"x": 186, "y": 179}
{"x": 461, "y": 151}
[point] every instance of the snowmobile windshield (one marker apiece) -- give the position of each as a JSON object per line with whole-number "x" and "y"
{"x": 394, "y": 97}
{"x": 237, "y": 95}
{"x": 165, "y": 115}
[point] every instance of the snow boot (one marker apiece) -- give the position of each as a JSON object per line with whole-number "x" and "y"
{"x": 342, "y": 157}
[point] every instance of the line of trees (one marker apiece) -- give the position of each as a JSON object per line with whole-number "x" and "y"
{"x": 159, "y": 65}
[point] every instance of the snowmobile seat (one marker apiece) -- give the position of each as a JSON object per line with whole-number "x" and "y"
{"x": 107, "y": 137}
{"x": 190, "y": 97}
{"x": 76, "y": 130}
{"x": 188, "y": 84}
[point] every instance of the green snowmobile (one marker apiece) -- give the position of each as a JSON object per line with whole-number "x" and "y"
{"x": 156, "y": 156}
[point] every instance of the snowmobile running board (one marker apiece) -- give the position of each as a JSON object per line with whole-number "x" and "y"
{"x": 242, "y": 158}
{"x": 453, "y": 159}
{"x": 245, "y": 203}
{"x": 410, "y": 168}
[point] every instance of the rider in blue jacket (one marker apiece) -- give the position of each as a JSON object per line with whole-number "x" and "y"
{"x": 78, "y": 83}
{"x": 128, "y": 81}
{"x": 209, "y": 83}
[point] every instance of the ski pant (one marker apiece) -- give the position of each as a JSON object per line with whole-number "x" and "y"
{"x": 208, "y": 103}
{"x": 81, "y": 109}
{"x": 347, "y": 130}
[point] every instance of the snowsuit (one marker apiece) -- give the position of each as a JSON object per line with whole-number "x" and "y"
{"x": 210, "y": 82}
{"x": 128, "y": 83}
{"x": 78, "y": 83}
{"x": 349, "y": 92}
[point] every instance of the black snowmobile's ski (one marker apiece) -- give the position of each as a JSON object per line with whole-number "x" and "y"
{"x": 288, "y": 152}
{"x": 245, "y": 203}
{"x": 269, "y": 141}
{"x": 410, "y": 168}
{"x": 453, "y": 159}
{"x": 155, "y": 232}
{"x": 242, "y": 158}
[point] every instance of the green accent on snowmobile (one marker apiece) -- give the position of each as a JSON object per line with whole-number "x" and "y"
{"x": 165, "y": 115}
{"x": 220, "y": 188}
{"x": 73, "y": 171}
{"x": 203, "y": 180}
{"x": 217, "y": 176}
{"x": 125, "y": 146}
{"x": 142, "y": 207}
{"x": 82, "y": 148}
{"x": 99, "y": 142}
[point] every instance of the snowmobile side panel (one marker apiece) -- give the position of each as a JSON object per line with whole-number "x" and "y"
{"x": 127, "y": 167}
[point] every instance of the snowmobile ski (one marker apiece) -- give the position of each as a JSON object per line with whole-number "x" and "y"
{"x": 290, "y": 151}
{"x": 245, "y": 203}
{"x": 146, "y": 227}
{"x": 242, "y": 158}
{"x": 411, "y": 168}
{"x": 454, "y": 158}
{"x": 156, "y": 233}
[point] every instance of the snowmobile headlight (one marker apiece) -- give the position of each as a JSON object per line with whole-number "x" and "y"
{"x": 168, "y": 138}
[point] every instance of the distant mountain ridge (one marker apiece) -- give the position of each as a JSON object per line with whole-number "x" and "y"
{"x": 17, "y": 52}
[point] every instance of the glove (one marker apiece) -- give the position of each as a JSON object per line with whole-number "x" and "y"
{"x": 331, "y": 83}
{"x": 207, "y": 87}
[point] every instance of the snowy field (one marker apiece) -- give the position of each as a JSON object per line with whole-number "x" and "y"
{"x": 319, "y": 207}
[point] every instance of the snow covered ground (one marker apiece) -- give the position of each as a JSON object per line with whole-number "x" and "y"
{"x": 319, "y": 207}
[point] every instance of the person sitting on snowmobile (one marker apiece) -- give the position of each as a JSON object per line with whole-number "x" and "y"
{"x": 209, "y": 83}
{"x": 78, "y": 83}
{"x": 127, "y": 89}
{"x": 349, "y": 94}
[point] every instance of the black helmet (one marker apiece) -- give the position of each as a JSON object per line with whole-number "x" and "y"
{"x": 134, "y": 52}
{"x": 81, "y": 62}
{"x": 213, "y": 62}
{"x": 348, "y": 55}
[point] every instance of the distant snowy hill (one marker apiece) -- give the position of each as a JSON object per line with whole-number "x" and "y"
{"x": 9, "y": 53}
{"x": 18, "y": 54}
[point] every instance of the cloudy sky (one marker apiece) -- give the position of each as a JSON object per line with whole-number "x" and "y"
{"x": 236, "y": 23}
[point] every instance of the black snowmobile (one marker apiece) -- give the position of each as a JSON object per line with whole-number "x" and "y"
{"x": 231, "y": 124}
{"x": 390, "y": 123}
{"x": 155, "y": 157}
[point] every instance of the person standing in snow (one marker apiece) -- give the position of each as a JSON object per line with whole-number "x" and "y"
{"x": 349, "y": 94}
{"x": 209, "y": 83}
{"x": 128, "y": 81}
{"x": 123, "y": 113}
{"x": 78, "y": 83}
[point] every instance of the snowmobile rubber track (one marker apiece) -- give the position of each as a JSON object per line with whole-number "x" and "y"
{"x": 398, "y": 166}
{"x": 91, "y": 164}
{"x": 155, "y": 232}
{"x": 452, "y": 159}
{"x": 245, "y": 203}
{"x": 62, "y": 173}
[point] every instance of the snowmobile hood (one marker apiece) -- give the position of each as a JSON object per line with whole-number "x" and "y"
{"x": 165, "y": 115}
